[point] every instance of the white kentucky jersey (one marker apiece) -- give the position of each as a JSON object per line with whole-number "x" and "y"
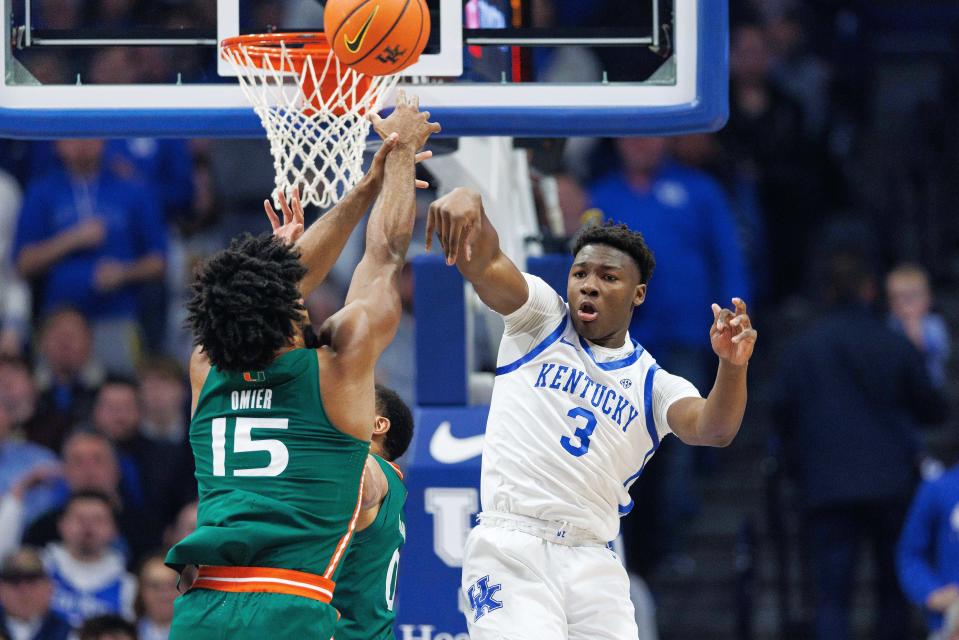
{"x": 571, "y": 425}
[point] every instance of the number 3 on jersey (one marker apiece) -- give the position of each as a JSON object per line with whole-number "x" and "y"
{"x": 582, "y": 433}
{"x": 243, "y": 442}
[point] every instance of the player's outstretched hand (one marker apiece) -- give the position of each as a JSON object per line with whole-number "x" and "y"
{"x": 293, "y": 224}
{"x": 456, "y": 218}
{"x": 374, "y": 175}
{"x": 411, "y": 125}
{"x": 732, "y": 334}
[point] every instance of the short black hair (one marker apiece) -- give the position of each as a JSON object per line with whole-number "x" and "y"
{"x": 621, "y": 237}
{"x": 246, "y": 301}
{"x": 117, "y": 380}
{"x": 847, "y": 274}
{"x": 99, "y": 626}
{"x": 391, "y": 406}
{"x": 90, "y": 494}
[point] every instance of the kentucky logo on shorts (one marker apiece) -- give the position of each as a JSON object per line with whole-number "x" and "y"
{"x": 481, "y": 598}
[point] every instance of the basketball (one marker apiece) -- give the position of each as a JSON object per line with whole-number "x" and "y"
{"x": 377, "y": 37}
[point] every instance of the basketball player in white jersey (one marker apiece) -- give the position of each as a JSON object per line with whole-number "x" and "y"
{"x": 578, "y": 410}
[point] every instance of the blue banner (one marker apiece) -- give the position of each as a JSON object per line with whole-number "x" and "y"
{"x": 443, "y": 478}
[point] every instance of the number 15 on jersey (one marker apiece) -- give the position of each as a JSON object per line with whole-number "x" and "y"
{"x": 243, "y": 442}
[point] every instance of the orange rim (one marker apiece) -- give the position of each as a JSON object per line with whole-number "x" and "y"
{"x": 297, "y": 46}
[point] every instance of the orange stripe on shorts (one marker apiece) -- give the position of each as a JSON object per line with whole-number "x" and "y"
{"x": 265, "y": 580}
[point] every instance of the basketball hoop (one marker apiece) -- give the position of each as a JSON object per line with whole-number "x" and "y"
{"x": 313, "y": 107}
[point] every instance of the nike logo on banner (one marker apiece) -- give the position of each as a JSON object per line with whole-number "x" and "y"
{"x": 353, "y": 45}
{"x": 448, "y": 449}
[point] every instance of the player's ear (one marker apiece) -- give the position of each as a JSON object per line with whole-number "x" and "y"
{"x": 381, "y": 426}
{"x": 640, "y": 295}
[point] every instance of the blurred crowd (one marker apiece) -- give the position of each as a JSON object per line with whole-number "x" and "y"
{"x": 826, "y": 201}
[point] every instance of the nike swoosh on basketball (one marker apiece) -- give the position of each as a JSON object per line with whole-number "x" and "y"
{"x": 353, "y": 45}
{"x": 448, "y": 449}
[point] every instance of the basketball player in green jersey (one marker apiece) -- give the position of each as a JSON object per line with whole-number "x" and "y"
{"x": 281, "y": 433}
{"x": 366, "y": 587}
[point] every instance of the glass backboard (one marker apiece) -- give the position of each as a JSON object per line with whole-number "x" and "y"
{"x": 492, "y": 67}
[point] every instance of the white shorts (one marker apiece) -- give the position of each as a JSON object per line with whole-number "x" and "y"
{"x": 520, "y": 586}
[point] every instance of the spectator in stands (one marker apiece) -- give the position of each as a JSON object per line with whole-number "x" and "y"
{"x": 157, "y": 589}
{"x": 154, "y": 475}
{"x": 14, "y": 295}
{"x": 108, "y": 627}
{"x": 928, "y": 555}
{"x": 25, "y": 594}
{"x": 19, "y": 459}
{"x": 182, "y": 526}
{"x": 798, "y": 72}
{"x": 573, "y": 202}
{"x": 89, "y": 464}
{"x": 685, "y": 218}
{"x": 764, "y": 138}
{"x": 166, "y": 165}
{"x": 18, "y": 394}
{"x": 164, "y": 399}
{"x": 92, "y": 236}
{"x": 89, "y": 576}
{"x": 910, "y": 306}
{"x": 68, "y": 377}
{"x": 849, "y": 396}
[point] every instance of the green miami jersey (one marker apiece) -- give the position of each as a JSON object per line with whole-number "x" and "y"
{"x": 278, "y": 483}
{"x": 366, "y": 587}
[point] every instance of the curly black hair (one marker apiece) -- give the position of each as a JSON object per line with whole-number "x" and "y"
{"x": 246, "y": 302}
{"x": 391, "y": 406}
{"x": 621, "y": 237}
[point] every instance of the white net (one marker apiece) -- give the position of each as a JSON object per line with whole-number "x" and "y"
{"x": 314, "y": 110}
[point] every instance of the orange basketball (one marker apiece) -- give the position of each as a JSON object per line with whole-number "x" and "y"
{"x": 377, "y": 37}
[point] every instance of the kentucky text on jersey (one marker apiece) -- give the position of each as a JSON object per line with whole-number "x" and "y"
{"x": 575, "y": 382}
{"x": 252, "y": 399}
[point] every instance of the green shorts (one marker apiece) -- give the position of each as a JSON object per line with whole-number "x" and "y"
{"x": 203, "y": 614}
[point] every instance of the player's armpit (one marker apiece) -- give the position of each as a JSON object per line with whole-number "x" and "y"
{"x": 375, "y": 486}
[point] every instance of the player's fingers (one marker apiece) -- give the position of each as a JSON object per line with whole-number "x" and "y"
{"x": 271, "y": 214}
{"x": 430, "y": 226}
{"x": 425, "y": 115}
{"x": 444, "y": 233}
{"x": 468, "y": 242}
{"x": 422, "y": 184}
{"x": 749, "y": 335}
{"x": 400, "y": 98}
{"x": 435, "y": 127}
{"x": 716, "y": 309}
{"x": 376, "y": 120}
{"x": 740, "y": 306}
{"x": 724, "y": 317}
{"x": 389, "y": 143}
{"x": 456, "y": 236}
{"x": 415, "y": 101}
{"x": 298, "y": 216}
{"x": 287, "y": 213}
{"x": 423, "y": 155}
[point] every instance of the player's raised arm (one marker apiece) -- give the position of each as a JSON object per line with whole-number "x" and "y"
{"x": 358, "y": 333}
{"x": 471, "y": 243}
{"x": 715, "y": 421}
{"x": 321, "y": 244}
{"x": 373, "y": 298}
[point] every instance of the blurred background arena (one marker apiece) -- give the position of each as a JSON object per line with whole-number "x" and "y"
{"x": 840, "y": 156}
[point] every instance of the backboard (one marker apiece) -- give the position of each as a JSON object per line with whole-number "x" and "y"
{"x": 492, "y": 67}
